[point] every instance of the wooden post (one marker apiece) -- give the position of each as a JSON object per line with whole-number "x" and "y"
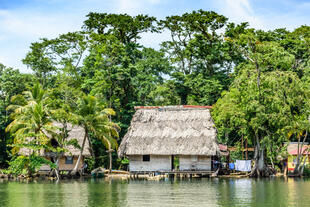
{"x": 242, "y": 145}
{"x": 246, "y": 147}
{"x": 228, "y": 160}
{"x": 110, "y": 159}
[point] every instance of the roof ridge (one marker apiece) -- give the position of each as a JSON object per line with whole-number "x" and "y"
{"x": 174, "y": 107}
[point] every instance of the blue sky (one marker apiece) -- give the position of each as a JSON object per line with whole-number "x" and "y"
{"x": 25, "y": 21}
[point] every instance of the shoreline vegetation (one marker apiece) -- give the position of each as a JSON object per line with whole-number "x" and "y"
{"x": 257, "y": 82}
{"x": 127, "y": 176}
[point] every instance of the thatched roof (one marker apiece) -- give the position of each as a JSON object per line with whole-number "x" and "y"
{"x": 170, "y": 130}
{"x": 75, "y": 132}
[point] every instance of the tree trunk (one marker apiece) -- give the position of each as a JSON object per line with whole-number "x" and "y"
{"x": 303, "y": 166}
{"x": 183, "y": 99}
{"x": 272, "y": 164}
{"x": 260, "y": 169}
{"x": 298, "y": 170}
{"x": 90, "y": 147}
{"x": 110, "y": 157}
{"x": 57, "y": 168}
{"x": 80, "y": 155}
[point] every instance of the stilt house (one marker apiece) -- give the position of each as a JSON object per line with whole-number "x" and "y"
{"x": 170, "y": 138}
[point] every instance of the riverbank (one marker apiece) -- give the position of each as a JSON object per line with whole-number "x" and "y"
{"x": 123, "y": 175}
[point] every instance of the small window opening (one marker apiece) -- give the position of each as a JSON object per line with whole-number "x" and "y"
{"x": 146, "y": 158}
{"x": 69, "y": 160}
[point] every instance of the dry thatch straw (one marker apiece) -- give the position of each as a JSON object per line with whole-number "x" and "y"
{"x": 170, "y": 130}
{"x": 75, "y": 132}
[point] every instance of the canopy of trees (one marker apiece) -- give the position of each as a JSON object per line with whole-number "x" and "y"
{"x": 258, "y": 82}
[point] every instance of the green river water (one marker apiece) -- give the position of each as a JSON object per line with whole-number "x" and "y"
{"x": 195, "y": 192}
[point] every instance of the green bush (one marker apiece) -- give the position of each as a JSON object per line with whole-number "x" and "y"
{"x": 28, "y": 165}
{"x": 307, "y": 171}
{"x": 122, "y": 163}
{"x": 90, "y": 161}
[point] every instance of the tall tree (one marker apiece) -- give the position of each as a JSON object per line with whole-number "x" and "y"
{"x": 124, "y": 27}
{"x": 94, "y": 118}
{"x": 198, "y": 52}
{"x": 61, "y": 54}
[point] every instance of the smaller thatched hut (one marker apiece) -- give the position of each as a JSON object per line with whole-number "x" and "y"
{"x": 68, "y": 159}
{"x": 170, "y": 138}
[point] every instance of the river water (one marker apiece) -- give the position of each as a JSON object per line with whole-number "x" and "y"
{"x": 195, "y": 192}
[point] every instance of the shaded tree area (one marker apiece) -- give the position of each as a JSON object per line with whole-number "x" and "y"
{"x": 268, "y": 101}
{"x": 12, "y": 82}
{"x": 257, "y": 80}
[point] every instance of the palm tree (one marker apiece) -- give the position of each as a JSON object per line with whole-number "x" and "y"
{"x": 31, "y": 120}
{"x": 94, "y": 118}
{"x": 110, "y": 143}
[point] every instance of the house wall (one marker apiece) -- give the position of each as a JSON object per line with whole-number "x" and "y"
{"x": 63, "y": 165}
{"x": 292, "y": 159}
{"x": 156, "y": 163}
{"x": 194, "y": 162}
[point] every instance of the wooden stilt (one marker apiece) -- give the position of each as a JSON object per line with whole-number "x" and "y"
{"x": 242, "y": 145}
{"x": 246, "y": 147}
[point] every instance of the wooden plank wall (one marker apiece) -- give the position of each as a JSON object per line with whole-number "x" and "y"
{"x": 156, "y": 163}
{"x": 194, "y": 162}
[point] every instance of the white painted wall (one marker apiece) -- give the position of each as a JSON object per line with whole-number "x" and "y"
{"x": 194, "y": 162}
{"x": 156, "y": 163}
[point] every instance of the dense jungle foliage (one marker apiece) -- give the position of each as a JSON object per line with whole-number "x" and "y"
{"x": 257, "y": 82}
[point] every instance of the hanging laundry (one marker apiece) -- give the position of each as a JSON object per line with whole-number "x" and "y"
{"x": 243, "y": 165}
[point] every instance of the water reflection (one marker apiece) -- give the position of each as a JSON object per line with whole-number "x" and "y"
{"x": 298, "y": 191}
{"x": 231, "y": 191}
{"x": 196, "y": 192}
{"x": 3, "y": 193}
{"x": 106, "y": 192}
{"x": 174, "y": 193}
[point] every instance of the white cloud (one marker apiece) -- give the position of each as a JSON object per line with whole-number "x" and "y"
{"x": 20, "y": 27}
{"x": 35, "y": 24}
{"x": 266, "y": 18}
{"x": 241, "y": 11}
{"x": 12, "y": 53}
{"x": 134, "y": 7}
{"x": 154, "y": 1}
{"x": 129, "y": 6}
{"x": 1, "y": 60}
